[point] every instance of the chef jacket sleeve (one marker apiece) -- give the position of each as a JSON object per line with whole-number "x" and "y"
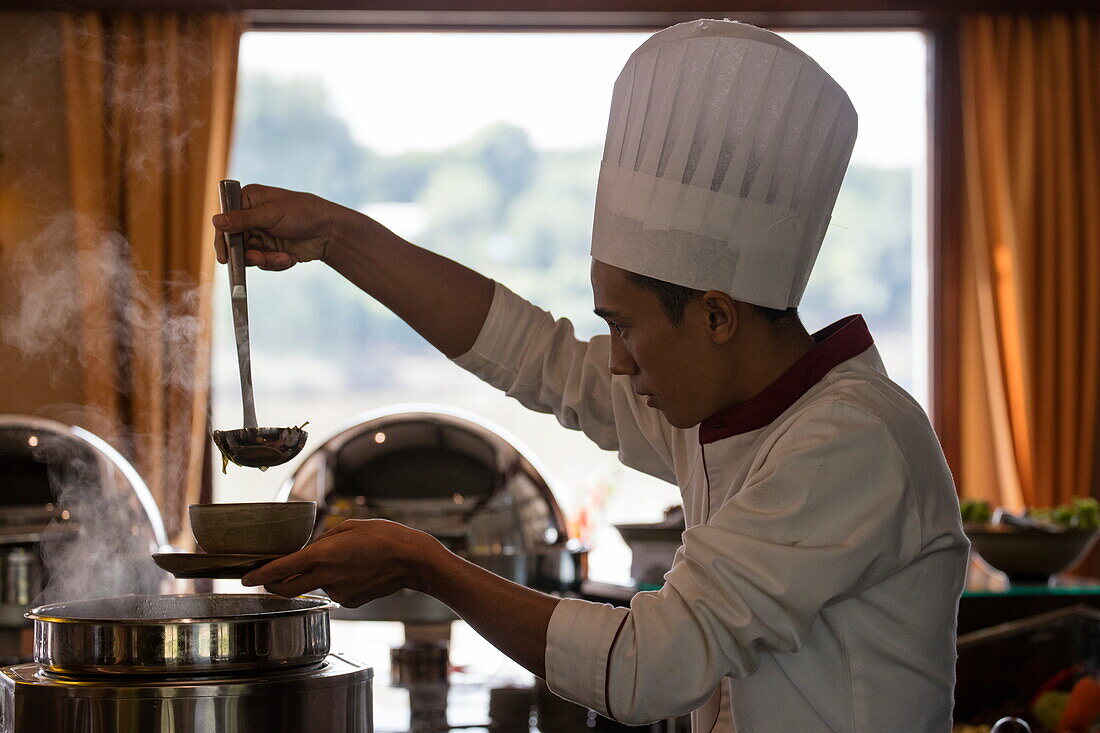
{"x": 826, "y": 513}
{"x": 523, "y": 351}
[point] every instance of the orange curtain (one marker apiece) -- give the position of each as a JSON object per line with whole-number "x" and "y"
{"x": 149, "y": 112}
{"x": 1030, "y": 301}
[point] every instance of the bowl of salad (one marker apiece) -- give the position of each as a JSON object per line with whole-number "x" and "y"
{"x": 1036, "y": 545}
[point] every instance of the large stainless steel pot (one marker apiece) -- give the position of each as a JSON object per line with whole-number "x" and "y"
{"x": 197, "y": 634}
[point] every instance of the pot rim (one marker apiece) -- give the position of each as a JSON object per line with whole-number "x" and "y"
{"x": 41, "y": 613}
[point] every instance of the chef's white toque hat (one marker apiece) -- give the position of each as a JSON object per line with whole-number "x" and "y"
{"x": 725, "y": 150}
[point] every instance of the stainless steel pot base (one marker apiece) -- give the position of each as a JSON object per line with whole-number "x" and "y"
{"x": 207, "y": 565}
{"x": 333, "y": 696}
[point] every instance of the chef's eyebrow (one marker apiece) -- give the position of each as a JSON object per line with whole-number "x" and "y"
{"x": 605, "y": 314}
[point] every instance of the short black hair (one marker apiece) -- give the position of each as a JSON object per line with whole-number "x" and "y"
{"x": 781, "y": 317}
{"x": 675, "y": 298}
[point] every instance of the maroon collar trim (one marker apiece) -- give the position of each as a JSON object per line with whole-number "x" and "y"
{"x": 835, "y": 344}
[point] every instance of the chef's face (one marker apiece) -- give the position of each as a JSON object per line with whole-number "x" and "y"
{"x": 667, "y": 363}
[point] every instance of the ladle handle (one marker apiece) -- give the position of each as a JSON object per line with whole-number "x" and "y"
{"x": 230, "y": 192}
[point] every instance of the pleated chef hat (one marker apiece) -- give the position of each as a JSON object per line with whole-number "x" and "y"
{"x": 725, "y": 150}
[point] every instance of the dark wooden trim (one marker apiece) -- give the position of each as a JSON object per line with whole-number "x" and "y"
{"x": 945, "y": 186}
{"x": 555, "y": 21}
{"x": 929, "y": 10}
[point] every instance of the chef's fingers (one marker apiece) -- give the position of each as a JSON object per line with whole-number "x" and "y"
{"x": 285, "y": 567}
{"x": 295, "y": 586}
{"x": 219, "y": 246}
{"x": 278, "y": 261}
{"x": 241, "y": 220}
{"x": 255, "y": 194}
{"x": 344, "y": 526}
{"x": 263, "y": 240}
{"x": 274, "y": 261}
{"x": 257, "y": 240}
{"x": 260, "y": 252}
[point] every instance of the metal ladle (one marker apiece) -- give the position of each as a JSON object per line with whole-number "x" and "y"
{"x": 250, "y": 446}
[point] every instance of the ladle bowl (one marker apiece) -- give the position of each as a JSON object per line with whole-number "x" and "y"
{"x": 260, "y": 447}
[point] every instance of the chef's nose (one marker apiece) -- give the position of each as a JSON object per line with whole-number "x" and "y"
{"x": 621, "y": 362}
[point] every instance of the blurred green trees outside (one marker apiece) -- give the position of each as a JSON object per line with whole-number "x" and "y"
{"x": 287, "y": 136}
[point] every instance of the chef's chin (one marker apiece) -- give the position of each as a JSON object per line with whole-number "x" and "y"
{"x": 674, "y": 419}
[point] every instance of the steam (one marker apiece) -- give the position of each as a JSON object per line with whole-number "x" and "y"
{"x": 105, "y": 550}
{"x": 100, "y": 547}
{"x": 47, "y": 313}
{"x": 47, "y": 309}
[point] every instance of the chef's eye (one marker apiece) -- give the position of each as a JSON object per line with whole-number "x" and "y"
{"x": 616, "y": 327}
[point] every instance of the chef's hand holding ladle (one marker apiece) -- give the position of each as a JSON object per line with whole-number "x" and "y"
{"x": 251, "y": 445}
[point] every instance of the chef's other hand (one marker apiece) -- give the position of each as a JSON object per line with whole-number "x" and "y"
{"x": 355, "y": 562}
{"x": 281, "y": 228}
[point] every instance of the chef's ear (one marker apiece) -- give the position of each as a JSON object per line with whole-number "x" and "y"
{"x": 721, "y": 314}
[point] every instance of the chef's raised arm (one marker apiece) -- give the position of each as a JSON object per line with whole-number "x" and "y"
{"x": 537, "y": 360}
{"x": 486, "y": 328}
{"x": 756, "y": 577}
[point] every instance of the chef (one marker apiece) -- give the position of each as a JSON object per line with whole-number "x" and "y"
{"x": 817, "y": 584}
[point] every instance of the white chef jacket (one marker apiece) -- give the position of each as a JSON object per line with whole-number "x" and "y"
{"x": 818, "y": 581}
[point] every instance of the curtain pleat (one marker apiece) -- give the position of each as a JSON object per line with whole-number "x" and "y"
{"x": 1030, "y": 321}
{"x": 150, "y": 107}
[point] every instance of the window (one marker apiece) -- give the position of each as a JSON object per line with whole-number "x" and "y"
{"x": 486, "y": 147}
